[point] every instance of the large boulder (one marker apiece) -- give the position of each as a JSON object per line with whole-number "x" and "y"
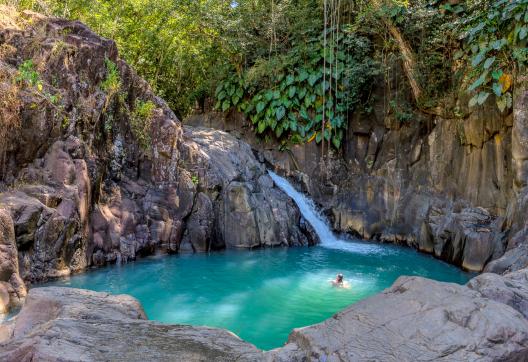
{"x": 510, "y": 289}
{"x": 62, "y": 324}
{"x": 247, "y": 208}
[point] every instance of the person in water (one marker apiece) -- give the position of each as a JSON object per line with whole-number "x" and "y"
{"x": 339, "y": 282}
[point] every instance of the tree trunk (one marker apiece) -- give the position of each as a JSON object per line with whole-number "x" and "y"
{"x": 409, "y": 62}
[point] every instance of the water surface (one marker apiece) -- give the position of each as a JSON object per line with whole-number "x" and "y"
{"x": 260, "y": 295}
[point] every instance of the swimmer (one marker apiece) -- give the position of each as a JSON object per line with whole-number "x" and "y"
{"x": 340, "y": 282}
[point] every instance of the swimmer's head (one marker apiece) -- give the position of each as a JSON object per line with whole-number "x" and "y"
{"x": 339, "y": 277}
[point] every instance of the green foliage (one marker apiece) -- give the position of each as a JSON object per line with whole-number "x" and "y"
{"x": 496, "y": 47}
{"x": 195, "y": 180}
{"x": 177, "y": 46}
{"x": 289, "y": 95}
{"x": 402, "y": 112}
{"x": 141, "y": 121}
{"x": 28, "y": 75}
{"x": 112, "y": 82}
{"x": 65, "y": 122}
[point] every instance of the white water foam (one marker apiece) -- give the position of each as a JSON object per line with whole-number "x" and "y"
{"x": 320, "y": 224}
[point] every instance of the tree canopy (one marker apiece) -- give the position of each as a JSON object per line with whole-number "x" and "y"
{"x": 299, "y": 68}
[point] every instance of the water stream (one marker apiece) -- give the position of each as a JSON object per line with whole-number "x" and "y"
{"x": 262, "y": 295}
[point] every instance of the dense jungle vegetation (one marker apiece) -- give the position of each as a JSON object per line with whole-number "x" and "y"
{"x": 299, "y": 69}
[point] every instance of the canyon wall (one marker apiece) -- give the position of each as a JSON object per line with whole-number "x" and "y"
{"x": 450, "y": 186}
{"x": 96, "y": 169}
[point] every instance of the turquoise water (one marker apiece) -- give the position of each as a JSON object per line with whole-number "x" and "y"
{"x": 261, "y": 295}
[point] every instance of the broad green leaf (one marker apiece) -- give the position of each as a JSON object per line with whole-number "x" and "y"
{"x": 496, "y": 74}
{"x": 262, "y": 126}
{"x": 498, "y": 44}
{"x": 291, "y": 91}
{"x": 260, "y": 106}
{"x": 289, "y": 79}
{"x": 473, "y": 101}
{"x": 523, "y": 32}
{"x": 501, "y": 103}
{"x": 482, "y": 97}
{"x": 293, "y": 125}
{"x": 489, "y": 62}
{"x": 480, "y": 81}
{"x": 312, "y": 79}
{"x": 336, "y": 142}
{"x": 280, "y": 112}
{"x": 219, "y": 88}
{"x": 303, "y": 75}
{"x": 225, "y": 105}
{"x": 478, "y": 59}
{"x": 327, "y": 134}
{"x": 304, "y": 114}
{"x": 497, "y": 89}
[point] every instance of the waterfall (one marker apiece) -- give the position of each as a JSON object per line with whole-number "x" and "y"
{"x": 319, "y": 223}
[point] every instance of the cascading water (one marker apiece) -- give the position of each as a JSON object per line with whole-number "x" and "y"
{"x": 318, "y": 222}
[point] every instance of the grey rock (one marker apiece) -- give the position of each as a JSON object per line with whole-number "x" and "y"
{"x": 63, "y": 324}
{"x": 510, "y": 289}
{"x": 415, "y": 320}
{"x": 12, "y": 288}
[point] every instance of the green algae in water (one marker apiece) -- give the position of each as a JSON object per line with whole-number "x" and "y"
{"x": 261, "y": 295}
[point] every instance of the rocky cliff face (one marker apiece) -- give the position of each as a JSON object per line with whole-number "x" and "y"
{"x": 453, "y": 187}
{"x": 97, "y": 169}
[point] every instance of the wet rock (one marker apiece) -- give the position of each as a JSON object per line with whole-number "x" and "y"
{"x": 200, "y": 224}
{"x": 468, "y": 238}
{"x": 249, "y": 210}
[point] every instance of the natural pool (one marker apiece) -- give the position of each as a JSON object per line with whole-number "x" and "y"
{"x": 261, "y": 295}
